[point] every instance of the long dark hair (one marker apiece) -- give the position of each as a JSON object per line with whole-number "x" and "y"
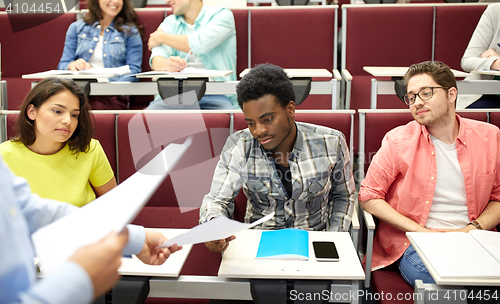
{"x": 127, "y": 16}
{"x": 25, "y": 127}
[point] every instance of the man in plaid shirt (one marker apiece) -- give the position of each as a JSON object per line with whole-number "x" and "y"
{"x": 300, "y": 171}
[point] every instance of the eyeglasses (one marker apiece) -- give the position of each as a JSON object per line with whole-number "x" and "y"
{"x": 424, "y": 94}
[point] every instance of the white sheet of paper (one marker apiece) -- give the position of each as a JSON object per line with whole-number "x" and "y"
{"x": 125, "y": 69}
{"x": 56, "y": 242}
{"x": 450, "y": 254}
{"x": 216, "y": 229}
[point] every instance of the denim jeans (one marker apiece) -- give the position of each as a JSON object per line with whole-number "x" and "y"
{"x": 412, "y": 268}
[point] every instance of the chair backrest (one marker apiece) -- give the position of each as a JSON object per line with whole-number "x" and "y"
{"x": 450, "y": 48}
{"x": 32, "y": 43}
{"x": 141, "y": 136}
{"x": 495, "y": 118}
{"x": 150, "y": 20}
{"x": 371, "y": 32}
{"x": 105, "y": 132}
{"x": 302, "y": 37}
{"x": 241, "y": 24}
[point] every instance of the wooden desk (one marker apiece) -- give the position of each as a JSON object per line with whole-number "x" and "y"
{"x": 387, "y": 87}
{"x": 301, "y": 73}
{"x": 486, "y": 280}
{"x": 399, "y": 71}
{"x": 155, "y": 75}
{"x": 331, "y": 87}
{"x": 47, "y": 74}
{"x": 238, "y": 267}
{"x": 239, "y": 260}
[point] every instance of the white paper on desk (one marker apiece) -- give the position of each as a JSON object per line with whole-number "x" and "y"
{"x": 92, "y": 71}
{"x": 216, "y": 229}
{"x": 125, "y": 69}
{"x": 56, "y": 242}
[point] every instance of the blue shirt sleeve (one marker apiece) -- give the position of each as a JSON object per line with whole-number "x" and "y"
{"x": 134, "y": 55}
{"x": 69, "y": 51}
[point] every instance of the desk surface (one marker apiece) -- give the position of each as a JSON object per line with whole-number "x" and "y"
{"x": 150, "y": 74}
{"x": 171, "y": 268}
{"x": 399, "y": 71}
{"x": 301, "y": 73}
{"x": 239, "y": 260}
{"x": 185, "y": 74}
{"x": 489, "y": 72}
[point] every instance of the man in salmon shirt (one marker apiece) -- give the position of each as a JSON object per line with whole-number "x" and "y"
{"x": 438, "y": 173}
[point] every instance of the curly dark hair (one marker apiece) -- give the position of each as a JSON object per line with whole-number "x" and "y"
{"x": 127, "y": 16}
{"x": 25, "y": 127}
{"x": 265, "y": 79}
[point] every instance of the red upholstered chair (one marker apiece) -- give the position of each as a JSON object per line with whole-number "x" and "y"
{"x": 105, "y": 132}
{"x": 141, "y": 133}
{"x": 241, "y": 24}
{"x": 150, "y": 20}
{"x": 31, "y": 43}
{"x": 378, "y": 35}
{"x": 450, "y": 49}
{"x": 274, "y": 39}
{"x": 379, "y": 122}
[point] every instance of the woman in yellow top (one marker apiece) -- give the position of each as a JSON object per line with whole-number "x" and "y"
{"x": 54, "y": 149}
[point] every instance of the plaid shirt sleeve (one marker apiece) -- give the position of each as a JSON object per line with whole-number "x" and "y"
{"x": 226, "y": 183}
{"x": 341, "y": 194}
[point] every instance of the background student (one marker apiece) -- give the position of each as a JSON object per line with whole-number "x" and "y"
{"x": 108, "y": 36}
{"x": 54, "y": 149}
{"x": 211, "y": 35}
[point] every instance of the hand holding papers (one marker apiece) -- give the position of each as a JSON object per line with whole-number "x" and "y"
{"x": 56, "y": 242}
{"x": 216, "y": 229}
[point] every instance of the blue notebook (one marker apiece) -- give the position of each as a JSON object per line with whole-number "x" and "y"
{"x": 288, "y": 244}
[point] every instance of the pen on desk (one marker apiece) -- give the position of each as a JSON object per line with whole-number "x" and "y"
{"x": 187, "y": 56}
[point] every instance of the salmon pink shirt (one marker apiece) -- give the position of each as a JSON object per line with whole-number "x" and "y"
{"x": 403, "y": 173}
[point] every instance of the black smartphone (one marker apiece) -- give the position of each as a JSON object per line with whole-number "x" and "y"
{"x": 325, "y": 251}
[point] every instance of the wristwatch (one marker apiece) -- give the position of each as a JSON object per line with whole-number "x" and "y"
{"x": 475, "y": 224}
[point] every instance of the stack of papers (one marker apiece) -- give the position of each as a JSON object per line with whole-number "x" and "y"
{"x": 93, "y": 71}
{"x": 460, "y": 255}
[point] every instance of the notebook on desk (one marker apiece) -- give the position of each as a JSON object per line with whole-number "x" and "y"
{"x": 458, "y": 254}
{"x": 285, "y": 244}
